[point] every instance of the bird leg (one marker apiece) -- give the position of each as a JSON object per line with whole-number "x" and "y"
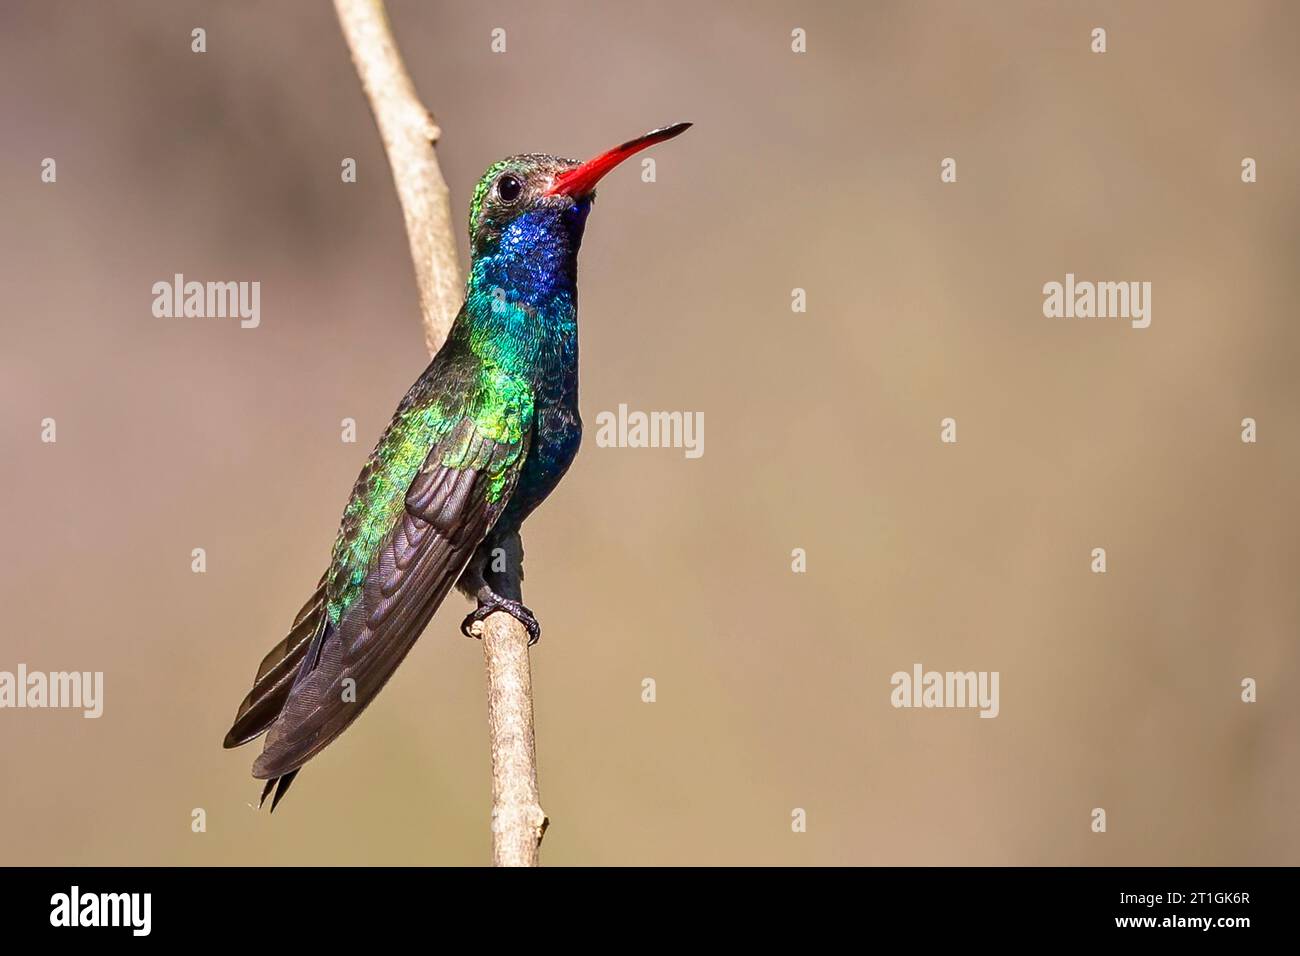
{"x": 489, "y": 602}
{"x": 493, "y": 579}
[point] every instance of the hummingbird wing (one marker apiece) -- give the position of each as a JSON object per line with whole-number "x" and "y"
{"x": 450, "y": 506}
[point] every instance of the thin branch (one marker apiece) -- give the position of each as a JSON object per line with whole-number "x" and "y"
{"x": 518, "y": 821}
{"x": 410, "y": 134}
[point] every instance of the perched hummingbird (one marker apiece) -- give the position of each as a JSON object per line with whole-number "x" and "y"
{"x": 480, "y": 440}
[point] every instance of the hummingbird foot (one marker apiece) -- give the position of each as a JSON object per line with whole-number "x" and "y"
{"x": 489, "y": 602}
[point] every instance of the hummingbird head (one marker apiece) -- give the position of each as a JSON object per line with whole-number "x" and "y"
{"x": 540, "y": 202}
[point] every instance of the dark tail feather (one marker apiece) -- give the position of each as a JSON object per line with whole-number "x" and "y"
{"x": 276, "y": 674}
{"x": 280, "y": 669}
{"x": 283, "y": 788}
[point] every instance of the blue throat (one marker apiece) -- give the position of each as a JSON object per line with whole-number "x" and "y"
{"x": 521, "y": 304}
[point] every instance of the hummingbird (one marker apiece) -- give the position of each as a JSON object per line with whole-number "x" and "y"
{"x": 479, "y": 441}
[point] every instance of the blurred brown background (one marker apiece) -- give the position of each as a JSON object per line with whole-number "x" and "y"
{"x": 818, "y": 171}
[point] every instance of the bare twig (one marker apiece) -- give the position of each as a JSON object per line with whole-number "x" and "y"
{"x": 517, "y": 818}
{"x": 410, "y": 134}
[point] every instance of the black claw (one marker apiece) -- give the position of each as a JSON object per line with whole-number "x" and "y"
{"x": 494, "y": 603}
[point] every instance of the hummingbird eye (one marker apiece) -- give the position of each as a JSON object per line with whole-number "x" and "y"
{"x": 509, "y": 188}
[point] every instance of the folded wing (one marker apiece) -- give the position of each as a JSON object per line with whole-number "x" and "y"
{"x": 450, "y": 506}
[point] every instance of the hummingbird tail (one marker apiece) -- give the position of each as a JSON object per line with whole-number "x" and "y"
{"x": 276, "y": 674}
{"x": 281, "y": 785}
